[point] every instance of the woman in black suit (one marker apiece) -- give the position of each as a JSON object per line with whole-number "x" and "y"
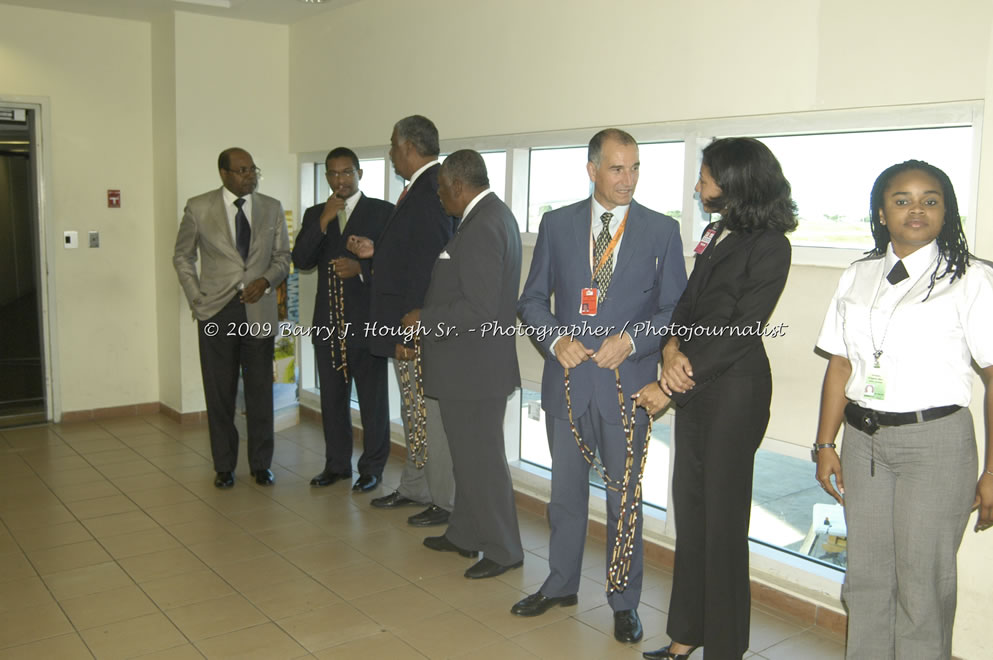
{"x": 715, "y": 369}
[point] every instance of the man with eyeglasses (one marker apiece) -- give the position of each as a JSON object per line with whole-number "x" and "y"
{"x": 244, "y": 253}
{"x": 341, "y": 310}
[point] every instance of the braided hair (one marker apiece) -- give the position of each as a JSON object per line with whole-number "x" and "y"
{"x": 953, "y": 249}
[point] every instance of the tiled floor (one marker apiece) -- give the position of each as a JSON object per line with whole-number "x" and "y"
{"x": 115, "y": 544}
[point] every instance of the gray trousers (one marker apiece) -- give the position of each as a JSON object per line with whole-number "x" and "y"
{"x": 434, "y": 483}
{"x": 568, "y": 510}
{"x": 905, "y": 525}
{"x": 484, "y": 517}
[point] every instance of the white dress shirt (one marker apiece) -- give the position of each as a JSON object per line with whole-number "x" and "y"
{"x": 420, "y": 171}
{"x": 927, "y": 345}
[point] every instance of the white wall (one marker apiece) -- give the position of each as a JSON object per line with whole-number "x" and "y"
{"x": 95, "y": 75}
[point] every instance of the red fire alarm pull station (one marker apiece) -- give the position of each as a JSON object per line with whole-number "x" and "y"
{"x": 113, "y": 199}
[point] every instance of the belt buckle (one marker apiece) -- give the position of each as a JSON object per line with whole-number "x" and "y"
{"x": 869, "y": 423}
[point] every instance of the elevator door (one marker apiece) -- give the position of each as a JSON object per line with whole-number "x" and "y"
{"x": 22, "y": 383}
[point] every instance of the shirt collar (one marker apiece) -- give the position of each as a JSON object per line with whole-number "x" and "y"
{"x": 413, "y": 177}
{"x": 598, "y": 210}
{"x": 350, "y": 202}
{"x": 475, "y": 200}
{"x": 230, "y": 197}
{"x": 916, "y": 262}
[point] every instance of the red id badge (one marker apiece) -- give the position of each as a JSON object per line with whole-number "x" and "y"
{"x": 705, "y": 241}
{"x": 587, "y": 301}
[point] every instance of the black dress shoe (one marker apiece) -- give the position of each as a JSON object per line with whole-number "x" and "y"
{"x": 665, "y": 654}
{"x": 394, "y": 499}
{"x": 539, "y": 603}
{"x": 365, "y": 483}
{"x": 487, "y": 568}
{"x": 263, "y": 477}
{"x": 627, "y": 626}
{"x": 224, "y": 480}
{"x": 442, "y": 544}
{"x": 433, "y": 515}
{"x": 328, "y": 477}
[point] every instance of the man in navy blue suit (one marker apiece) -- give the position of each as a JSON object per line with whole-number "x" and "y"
{"x": 615, "y": 268}
{"x": 341, "y": 349}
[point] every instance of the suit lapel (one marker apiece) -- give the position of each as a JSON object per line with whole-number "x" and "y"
{"x": 633, "y": 232}
{"x": 219, "y": 224}
{"x": 582, "y": 237}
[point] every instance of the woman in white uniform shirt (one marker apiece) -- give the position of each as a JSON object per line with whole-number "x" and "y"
{"x": 903, "y": 329}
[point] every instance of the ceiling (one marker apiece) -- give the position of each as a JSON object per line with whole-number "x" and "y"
{"x": 282, "y": 12}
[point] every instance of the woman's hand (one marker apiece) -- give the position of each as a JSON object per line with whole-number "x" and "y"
{"x": 651, "y": 398}
{"x": 828, "y": 463}
{"x": 984, "y": 502}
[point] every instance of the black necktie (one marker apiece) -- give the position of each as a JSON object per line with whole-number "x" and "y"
{"x": 599, "y": 247}
{"x": 243, "y": 232}
{"x": 898, "y": 273}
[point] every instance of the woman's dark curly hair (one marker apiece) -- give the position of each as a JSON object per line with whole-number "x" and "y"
{"x": 754, "y": 192}
{"x": 952, "y": 246}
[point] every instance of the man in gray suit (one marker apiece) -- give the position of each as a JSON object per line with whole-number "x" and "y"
{"x": 470, "y": 366}
{"x": 615, "y": 269}
{"x": 244, "y": 254}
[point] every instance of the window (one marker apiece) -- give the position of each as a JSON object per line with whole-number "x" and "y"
{"x": 832, "y": 174}
{"x": 373, "y": 179}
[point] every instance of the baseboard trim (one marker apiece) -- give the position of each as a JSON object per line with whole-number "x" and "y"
{"x": 134, "y": 410}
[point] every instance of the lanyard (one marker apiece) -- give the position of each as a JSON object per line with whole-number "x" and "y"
{"x": 610, "y": 246}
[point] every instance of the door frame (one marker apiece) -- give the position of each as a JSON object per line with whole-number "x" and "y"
{"x": 40, "y": 107}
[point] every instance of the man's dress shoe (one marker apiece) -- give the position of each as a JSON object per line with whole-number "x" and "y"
{"x": 224, "y": 480}
{"x": 627, "y": 626}
{"x": 487, "y": 568}
{"x": 392, "y": 500}
{"x": 539, "y": 603}
{"x": 365, "y": 483}
{"x": 442, "y": 544}
{"x": 263, "y": 477}
{"x": 328, "y": 477}
{"x": 665, "y": 654}
{"x": 433, "y": 515}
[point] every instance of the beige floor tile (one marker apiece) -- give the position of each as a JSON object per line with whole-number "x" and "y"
{"x": 119, "y": 523}
{"x": 505, "y": 650}
{"x": 133, "y": 638}
{"x": 259, "y": 572}
{"x": 24, "y": 592}
{"x": 530, "y": 576}
{"x": 107, "y": 607}
{"x": 184, "y": 652}
{"x": 495, "y": 613}
{"x": 282, "y": 600}
{"x": 144, "y": 481}
{"x": 286, "y": 538}
{"x": 184, "y": 460}
{"x": 162, "y": 496}
{"x": 199, "y": 531}
{"x": 7, "y": 542}
{"x": 768, "y": 630}
{"x": 34, "y": 518}
{"x": 182, "y": 512}
{"x": 15, "y": 566}
{"x": 72, "y": 477}
{"x": 119, "y": 455}
{"x": 321, "y": 557}
{"x": 808, "y": 645}
{"x": 229, "y": 549}
{"x": 447, "y": 634}
{"x": 51, "y": 464}
{"x": 602, "y": 619}
{"x": 139, "y": 543}
{"x": 63, "y": 647}
{"x": 87, "y": 580}
{"x": 379, "y": 645}
{"x": 49, "y": 537}
{"x": 210, "y": 618}
{"x": 400, "y": 607}
{"x": 135, "y": 468}
{"x": 29, "y": 624}
{"x": 359, "y": 580}
{"x": 186, "y": 589}
{"x": 67, "y": 557}
{"x": 328, "y": 626}
{"x": 102, "y": 506}
{"x": 265, "y": 642}
{"x": 270, "y": 516}
{"x": 88, "y": 491}
{"x": 97, "y": 445}
{"x": 657, "y": 598}
{"x": 161, "y": 564}
{"x": 568, "y": 638}
{"x": 457, "y": 591}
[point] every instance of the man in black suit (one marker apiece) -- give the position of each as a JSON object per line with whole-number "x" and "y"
{"x": 414, "y": 236}
{"x": 471, "y": 367}
{"x": 341, "y": 348}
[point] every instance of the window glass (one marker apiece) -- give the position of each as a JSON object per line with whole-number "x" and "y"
{"x": 832, "y": 174}
{"x": 496, "y": 170}
{"x": 372, "y": 184}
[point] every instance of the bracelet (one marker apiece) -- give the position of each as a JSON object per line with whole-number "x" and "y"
{"x": 818, "y": 447}
{"x": 988, "y": 472}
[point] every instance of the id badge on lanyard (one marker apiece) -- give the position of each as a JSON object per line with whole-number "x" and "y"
{"x": 589, "y": 296}
{"x": 875, "y": 382}
{"x": 708, "y": 236}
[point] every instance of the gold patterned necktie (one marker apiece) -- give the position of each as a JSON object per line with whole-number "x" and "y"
{"x": 602, "y": 241}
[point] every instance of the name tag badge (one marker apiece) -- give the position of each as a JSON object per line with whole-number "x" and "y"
{"x": 587, "y": 302}
{"x": 705, "y": 241}
{"x": 875, "y": 384}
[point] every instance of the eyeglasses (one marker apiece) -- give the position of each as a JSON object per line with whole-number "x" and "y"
{"x": 245, "y": 171}
{"x": 343, "y": 174}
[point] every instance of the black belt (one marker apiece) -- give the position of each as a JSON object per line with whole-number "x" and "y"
{"x": 868, "y": 421}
